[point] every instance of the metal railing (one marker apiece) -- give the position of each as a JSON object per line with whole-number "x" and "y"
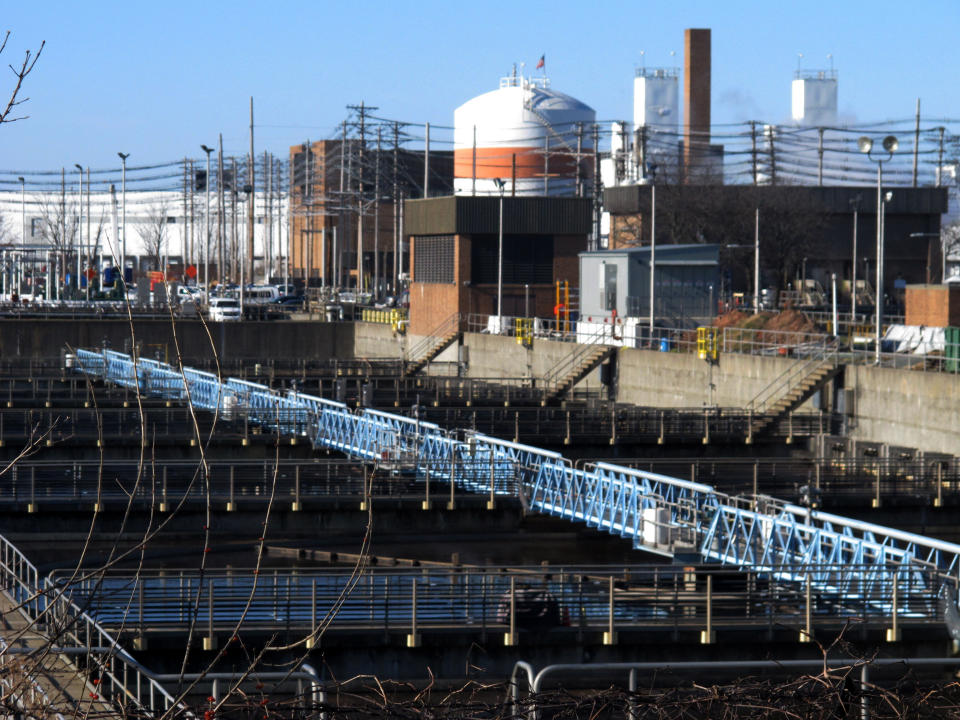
{"x": 43, "y": 605}
{"x": 481, "y": 599}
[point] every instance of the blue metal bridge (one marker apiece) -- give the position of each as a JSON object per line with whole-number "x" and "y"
{"x": 659, "y": 514}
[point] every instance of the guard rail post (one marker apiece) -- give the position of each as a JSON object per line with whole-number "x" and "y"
{"x": 452, "y": 503}
{"x": 296, "y": 506}
{"x": 413, "y": 639}
{"x": 491, "y": 503}
{"x": 938, "y": 501}
{"x": 426, "y": 504}
{"x": 708, "y": 636}
{"x": 610, "y": 636}
{"x": 510, "y": 638}
{"x": 893, "y": 632}
{"x": 806, "y": 635}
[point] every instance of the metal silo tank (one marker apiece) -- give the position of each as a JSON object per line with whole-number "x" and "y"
{"x": 526, "y": 123}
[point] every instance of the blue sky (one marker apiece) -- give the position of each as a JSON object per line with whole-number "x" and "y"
{"x": 157, "y": 80}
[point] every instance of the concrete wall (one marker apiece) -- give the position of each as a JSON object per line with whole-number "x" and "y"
{"x": 377, "y": 340}
{"x": 253, "y": 340}
{"x": 646, "y": 377}
{"x": 905, "y": 408}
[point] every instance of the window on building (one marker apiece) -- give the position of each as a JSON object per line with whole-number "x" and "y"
{"x": 526, "y": 259}
{"x": 433, "y": 259}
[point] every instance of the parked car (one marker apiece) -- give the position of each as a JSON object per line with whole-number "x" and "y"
{"x": 290, "y": 301}
{"x": 224, "y": 309}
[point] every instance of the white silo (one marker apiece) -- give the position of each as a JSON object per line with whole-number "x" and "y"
{"x": 523, "y": 129}
{"x": 656, "y": 117}
{"x": 814, "y": 98}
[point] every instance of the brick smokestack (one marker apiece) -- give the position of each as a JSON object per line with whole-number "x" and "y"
{"x": 696, "y": 100}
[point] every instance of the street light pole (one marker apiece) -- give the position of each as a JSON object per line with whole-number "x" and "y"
{"x": 123, "y": 218}
{"x": 79, "y": 227}
{"x": 890, "y": 145}
{"x": 206, "y": 241}
{"x": 653, "y": 253}
{"x": 23, "y": 226}
{"x": 855, "y": 203}
{"x": 500, "y": 185}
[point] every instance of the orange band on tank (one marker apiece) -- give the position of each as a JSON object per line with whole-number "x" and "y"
{"x": 498, "y": 162}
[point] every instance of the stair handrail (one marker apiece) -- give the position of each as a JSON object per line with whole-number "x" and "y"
{"x": 828, "y": 352}
{"x": 422, "y": 348}
{"x": 559, "y": 370}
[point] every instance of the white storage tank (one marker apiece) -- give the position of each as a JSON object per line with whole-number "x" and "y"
{"x": 527, "y": 130}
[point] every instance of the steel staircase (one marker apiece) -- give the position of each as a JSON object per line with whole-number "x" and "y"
{"x": 562, "y": 377}
{"x": 793, "y": 388}
{"x": 442, "y": 337}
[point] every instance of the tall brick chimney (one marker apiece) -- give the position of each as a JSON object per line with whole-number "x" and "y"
{"x": 696, "y": 100}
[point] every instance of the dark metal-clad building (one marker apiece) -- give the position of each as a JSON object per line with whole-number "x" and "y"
{"x": 454, "y": 254}
{"x": 802, "y": 229}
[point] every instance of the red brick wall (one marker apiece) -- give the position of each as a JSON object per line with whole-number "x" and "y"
{"x": 933, "y": 305}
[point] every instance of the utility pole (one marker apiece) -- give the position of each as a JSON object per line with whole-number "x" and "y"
{"x": 63, "y": 232}
{"x": 376, "y": 222}
{"x": 362, "y": 109}
{"x": 916, "y": 144}
{"x": 426, "y": 163}
{"x": 251, "y": 201}
{"x": 268, "y": 219}
{"x": 753, "y": 149}
{"x": 341, "y": 235}
{"x": 394, "y": 275}
{"x": 234, "y": 251}
{"x": 579, "y": 161}
{"x": 363, "y": 140}
{"x": 221, "y": 205}
{"x": 596, "y": 187}
{"x": 183, "y": 229}
{"x": 123, "y": 215}
{"x": 91, "y": 250}
{"x": 192, "y": 241}
{"x": 206, "y": 237}
{"x": 306, "y": 246}
{"x": 820, "y": 157}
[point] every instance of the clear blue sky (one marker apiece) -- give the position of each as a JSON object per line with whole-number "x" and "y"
{"x": 158, "y": 79}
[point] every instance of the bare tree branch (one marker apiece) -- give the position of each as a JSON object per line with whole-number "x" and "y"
{"x": 21, "y": 73}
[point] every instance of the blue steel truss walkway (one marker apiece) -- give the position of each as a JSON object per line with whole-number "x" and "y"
{"x": 657, "y": 513}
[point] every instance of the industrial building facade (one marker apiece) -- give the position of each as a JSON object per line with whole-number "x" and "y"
{"x": 455, "y": 255}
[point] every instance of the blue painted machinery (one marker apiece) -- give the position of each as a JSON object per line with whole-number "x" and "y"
{"x": 657, "y": 513}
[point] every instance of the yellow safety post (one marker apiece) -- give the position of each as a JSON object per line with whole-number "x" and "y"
{"x": 708, "y": 347}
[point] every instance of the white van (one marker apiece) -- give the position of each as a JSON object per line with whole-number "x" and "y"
{"x": 224, "y": 309}
{"x": 261, "y": 294}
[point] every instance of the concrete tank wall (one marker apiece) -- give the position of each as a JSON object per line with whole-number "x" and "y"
{"x": 646, "y": 377}
{"x": 248, "y": 340}
{"x": 910, "y": 409}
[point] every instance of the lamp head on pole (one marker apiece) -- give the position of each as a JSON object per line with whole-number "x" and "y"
{"x": 78, "y": 167}
{"x": 123, "y": 156}
{"x": 206, "y": 149}
{"x": 865, "y": 144}
{"x": 500, "y": 184}
{"x": 890, "y": 144}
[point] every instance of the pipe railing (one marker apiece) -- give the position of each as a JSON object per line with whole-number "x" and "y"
{"x": 45, "y": 606}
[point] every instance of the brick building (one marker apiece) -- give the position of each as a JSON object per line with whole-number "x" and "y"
{"x": 454, "y": 254}
{"x": 328, "y": 210}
